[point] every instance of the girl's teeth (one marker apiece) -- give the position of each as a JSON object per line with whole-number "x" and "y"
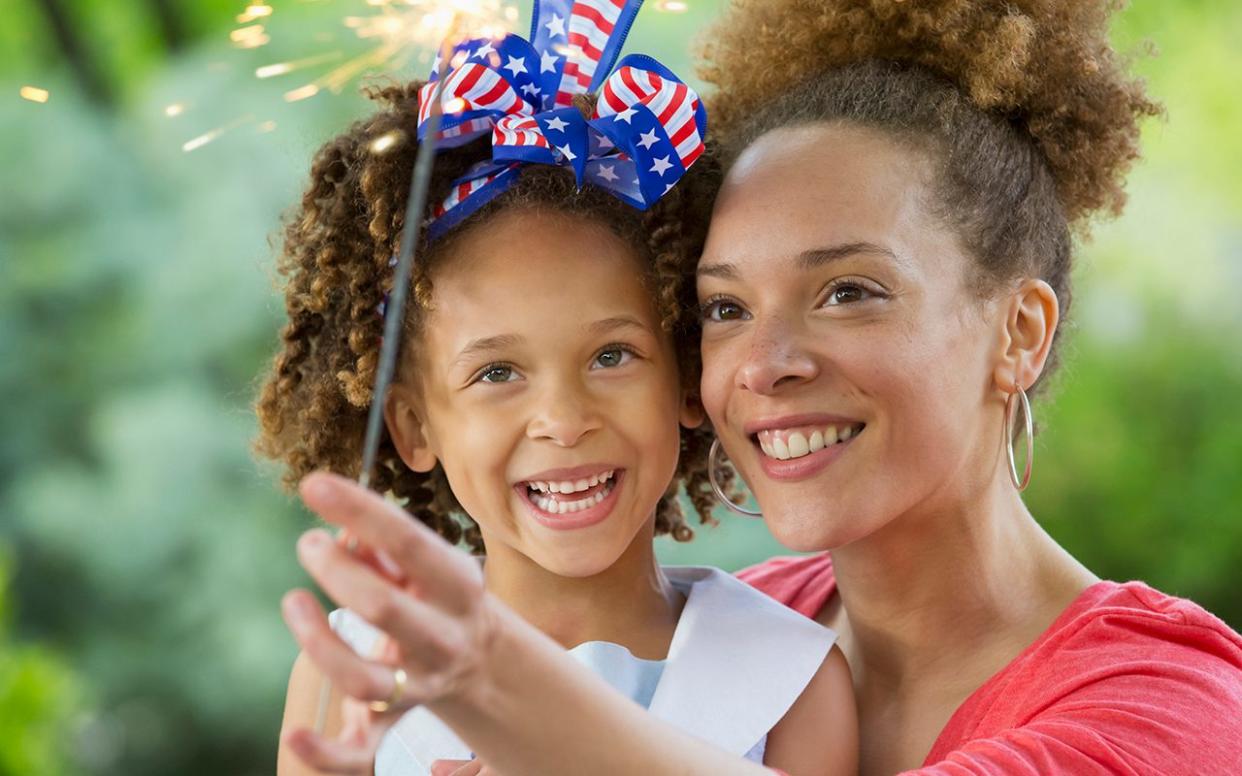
{"x": 556, "y": 507}
{"x": 830, "y": 436}
{"x": 781, "y": 449}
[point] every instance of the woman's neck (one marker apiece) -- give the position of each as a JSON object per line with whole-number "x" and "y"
{"x": 630, "y": 603}
{"x": 965, "y": 584}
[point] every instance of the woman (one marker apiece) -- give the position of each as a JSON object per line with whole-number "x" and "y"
{"x": 890, "y": 252}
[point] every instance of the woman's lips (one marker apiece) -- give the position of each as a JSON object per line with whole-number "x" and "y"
{"x": 799, "y": 447}
{"x": 577, "y": 509}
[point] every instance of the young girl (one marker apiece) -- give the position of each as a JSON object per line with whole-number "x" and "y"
{"x": 543, "y": 411}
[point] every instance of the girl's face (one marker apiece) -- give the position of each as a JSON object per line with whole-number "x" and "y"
{"x": 847, "y": 366}
{"x": 547, "y": 390}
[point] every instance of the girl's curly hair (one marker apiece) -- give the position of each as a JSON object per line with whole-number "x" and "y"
{"x": 1022, "y": 106}
{"x": 338, "y": 243}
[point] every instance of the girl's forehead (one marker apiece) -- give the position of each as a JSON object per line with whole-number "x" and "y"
{"x": 542, "y": 276}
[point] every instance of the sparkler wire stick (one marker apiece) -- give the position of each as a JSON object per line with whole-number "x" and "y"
{"x": 394, "y": 311}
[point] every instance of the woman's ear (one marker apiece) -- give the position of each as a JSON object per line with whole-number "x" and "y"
{"x": 691, "y": 413}
{"x": 403, "y": 414}
{"x": 1032, "y": 313}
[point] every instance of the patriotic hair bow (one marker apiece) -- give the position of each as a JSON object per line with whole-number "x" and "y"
{"x": 647, "y": 128}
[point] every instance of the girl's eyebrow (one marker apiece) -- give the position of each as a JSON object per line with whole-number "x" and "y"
{"x": 486, "y": 345}
{"x": 617, "y": 322}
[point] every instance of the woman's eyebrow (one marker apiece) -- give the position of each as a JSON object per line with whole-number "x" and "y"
{"x": 809, "y": 259}
{"x": 486, "y": 345}
{"x": 818, "y": 257}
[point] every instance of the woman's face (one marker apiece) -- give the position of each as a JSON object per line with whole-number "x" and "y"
{"x": 847, "y": 364}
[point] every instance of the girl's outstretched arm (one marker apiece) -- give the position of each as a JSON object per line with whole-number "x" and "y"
{"x": 510, "y": 692}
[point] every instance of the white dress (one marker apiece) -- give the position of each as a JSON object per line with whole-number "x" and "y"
{"x": 737, "y": 662}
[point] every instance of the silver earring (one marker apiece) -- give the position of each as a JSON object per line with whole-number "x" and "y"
{"x": 712, "y": 455}
{"x": 1028, "y": 426}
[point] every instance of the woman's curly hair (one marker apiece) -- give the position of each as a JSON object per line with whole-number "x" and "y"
{"x": 338, "y": 244}
{"x": 1022, "y": 107}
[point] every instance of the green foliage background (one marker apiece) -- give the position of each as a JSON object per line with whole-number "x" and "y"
{"x": 145, "y": 551}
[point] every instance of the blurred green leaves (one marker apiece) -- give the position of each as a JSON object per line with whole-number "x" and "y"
{"x": 39, "y": 695}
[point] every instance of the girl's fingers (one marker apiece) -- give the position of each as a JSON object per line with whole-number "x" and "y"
{"x": 456, "y": 768}
{"x": 330, "y": 756}
{"x": 443, "y": 573}
{"x": 423, "y": 633}
{"x": 379, "y": 560}
{"x": 362, "y": 679}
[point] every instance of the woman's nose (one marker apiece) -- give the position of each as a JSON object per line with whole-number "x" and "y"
{"x": 774, "y": 359}
{"x": 563, "y": 416}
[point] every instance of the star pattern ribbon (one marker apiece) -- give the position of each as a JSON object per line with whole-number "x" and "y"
{"x": 646, "y": 131}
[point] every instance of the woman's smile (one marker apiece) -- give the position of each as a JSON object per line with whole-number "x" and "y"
{"x": 793, "y": 448}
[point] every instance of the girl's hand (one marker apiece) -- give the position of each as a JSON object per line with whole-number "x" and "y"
{"x": 461, "y": 768}
{"x": 425, "y": 595}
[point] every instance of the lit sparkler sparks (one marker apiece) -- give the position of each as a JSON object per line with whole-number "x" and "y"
{"x": 205, "y": 138}
{"x": 34, "y": 94}
{"x": 398, "y": 31}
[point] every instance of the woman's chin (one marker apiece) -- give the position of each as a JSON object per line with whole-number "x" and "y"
{"x": 806, "y": 528}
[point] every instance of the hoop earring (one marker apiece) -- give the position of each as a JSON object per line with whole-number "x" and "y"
{"x": 1028, "y": 426}
{"x": 712, "y": 455}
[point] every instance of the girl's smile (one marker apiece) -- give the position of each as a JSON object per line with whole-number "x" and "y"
{"x": 565, "y": 499}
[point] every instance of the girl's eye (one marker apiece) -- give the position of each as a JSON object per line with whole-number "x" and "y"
{"x": 848, "y": 293}
{"x": 498, "y": 373}
{"x": 612, "y": 356}
{"x": 722, "y": 310}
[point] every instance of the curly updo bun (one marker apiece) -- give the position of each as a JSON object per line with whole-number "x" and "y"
{"x": 1045, "y": 66}
{"x": 1021, "y": 107}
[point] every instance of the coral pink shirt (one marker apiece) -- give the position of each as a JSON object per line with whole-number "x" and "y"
{"x": 1126, "y": 680}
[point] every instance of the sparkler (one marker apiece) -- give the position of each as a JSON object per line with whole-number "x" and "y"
{"x": 394, "y": 312}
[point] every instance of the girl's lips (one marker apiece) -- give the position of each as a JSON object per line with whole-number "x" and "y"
{"x": 583, "y": 518}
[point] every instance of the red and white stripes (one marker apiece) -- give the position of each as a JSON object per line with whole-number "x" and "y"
{"x": 591, "y": 23}
{"x": 674, "y": 105}
{"x": 477, "y": 86}
{"x": 514, "y": 130}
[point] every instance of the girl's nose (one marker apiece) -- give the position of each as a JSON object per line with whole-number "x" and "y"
{"x": 563, "y": 417}
{"x": 774, "y": 359}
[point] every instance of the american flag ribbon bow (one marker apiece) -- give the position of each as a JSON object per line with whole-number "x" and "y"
{"x": 646, "y": 131}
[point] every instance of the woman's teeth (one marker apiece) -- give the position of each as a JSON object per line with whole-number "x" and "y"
{"x": 540, "y": 493}
{"x": 786, "y": 445}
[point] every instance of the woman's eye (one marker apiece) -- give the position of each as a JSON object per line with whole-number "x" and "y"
{"x": 723, "y": 310}
{"x": 497, "y": 374}
{"x": 611, "y": 357}
{"x": 847, "y": 293}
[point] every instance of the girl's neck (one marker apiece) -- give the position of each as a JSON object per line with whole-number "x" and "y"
{"x": 950, "y": 585}
{"x": 630, "y": 603}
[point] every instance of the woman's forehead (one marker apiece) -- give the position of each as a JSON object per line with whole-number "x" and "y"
{"x": 810, "y": 188}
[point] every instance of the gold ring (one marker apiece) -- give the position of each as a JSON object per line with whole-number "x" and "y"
{"x": 399, "y": 679}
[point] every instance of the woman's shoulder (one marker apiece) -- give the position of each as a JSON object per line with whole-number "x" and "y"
{"x": 1128, "y": 666}
{"x": 804, "y": 583}
{"x": 1118, "y": 617}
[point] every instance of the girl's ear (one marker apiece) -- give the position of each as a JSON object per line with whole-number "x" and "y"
{"x": 691, "y": 414}
{"x": 404, "y": 417}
